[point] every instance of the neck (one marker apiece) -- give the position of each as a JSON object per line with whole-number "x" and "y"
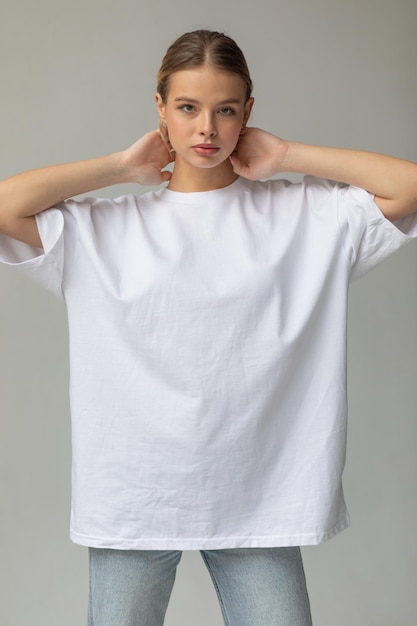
{"x": 190, "y": 179}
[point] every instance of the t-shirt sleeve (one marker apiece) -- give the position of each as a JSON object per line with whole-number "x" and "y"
{"x": 45, "y": 266}
{"x": 368, "y": 236}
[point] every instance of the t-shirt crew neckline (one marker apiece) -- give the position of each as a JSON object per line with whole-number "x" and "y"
{"x": 168, "y": 195}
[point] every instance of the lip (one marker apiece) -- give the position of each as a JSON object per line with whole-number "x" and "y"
{"x": 205, "y": 148}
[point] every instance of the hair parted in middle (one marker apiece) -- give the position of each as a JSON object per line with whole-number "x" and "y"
{"x": 203, "y": 47}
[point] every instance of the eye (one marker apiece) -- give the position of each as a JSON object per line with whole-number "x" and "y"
{"x": 227, "y": 111}
{"x": 187, "y": 108}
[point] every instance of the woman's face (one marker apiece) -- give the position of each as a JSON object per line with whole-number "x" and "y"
{"x": 204, "y": 111}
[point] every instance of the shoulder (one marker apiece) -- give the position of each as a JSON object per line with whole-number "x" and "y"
{"x": 92, "y": 205}
{"x": 94, "y": 211}
{"x": 308, "y": 193}
{"x": 307, "y": 185}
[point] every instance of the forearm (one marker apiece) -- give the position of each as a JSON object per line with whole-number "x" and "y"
{"x": 393, "y": 181}
{"x": 30, "y": 193}
{"x": 25, "y": 195}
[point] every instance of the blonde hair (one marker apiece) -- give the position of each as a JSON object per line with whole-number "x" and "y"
{"x": 203, "y": 47}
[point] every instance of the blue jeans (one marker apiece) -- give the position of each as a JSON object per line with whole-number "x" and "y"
{"x": 255, "y": 586}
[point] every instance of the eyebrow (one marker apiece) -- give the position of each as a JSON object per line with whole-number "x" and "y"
{"x": 194, "y": 101}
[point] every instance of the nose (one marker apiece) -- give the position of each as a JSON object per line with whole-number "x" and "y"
{"x": 208, "y": 126}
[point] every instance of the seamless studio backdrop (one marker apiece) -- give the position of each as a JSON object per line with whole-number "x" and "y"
{"x": 78, "y": 80}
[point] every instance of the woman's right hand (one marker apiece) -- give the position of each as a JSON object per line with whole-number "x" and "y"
{"x": 146, "y": 158}
{"x": 24, "y": 195}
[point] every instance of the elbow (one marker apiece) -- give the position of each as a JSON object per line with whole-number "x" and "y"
{"x": 23, "y": 229}
{"x": 395, "y": 209}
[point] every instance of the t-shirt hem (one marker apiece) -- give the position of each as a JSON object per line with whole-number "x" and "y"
{"x": 211, "y": 543}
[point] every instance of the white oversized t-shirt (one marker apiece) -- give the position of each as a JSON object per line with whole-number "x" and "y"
{"x": 208, "y": 358}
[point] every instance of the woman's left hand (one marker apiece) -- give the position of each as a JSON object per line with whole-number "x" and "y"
{"x": 258, "y": 154}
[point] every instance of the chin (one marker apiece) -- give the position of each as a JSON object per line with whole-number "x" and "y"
{"x": 207, "y": 163}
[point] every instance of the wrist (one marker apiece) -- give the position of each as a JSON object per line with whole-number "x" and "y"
{"x": 294, "y": 157}
{"x": 122, "y": 167}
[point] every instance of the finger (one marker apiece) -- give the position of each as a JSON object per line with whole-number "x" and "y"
{"x": 240, "y": 168}
{"x": 166, "y": 175}
{"x": 236, "y": 163}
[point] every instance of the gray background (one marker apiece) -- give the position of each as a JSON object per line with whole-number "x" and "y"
{"x": 77, "y": 80}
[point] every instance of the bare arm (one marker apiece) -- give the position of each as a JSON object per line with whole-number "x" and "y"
{"x": 393, "y": 181}
{"x": 24, "y": 195}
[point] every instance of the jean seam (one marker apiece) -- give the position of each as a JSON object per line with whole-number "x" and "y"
{"x": 217, "y": 589}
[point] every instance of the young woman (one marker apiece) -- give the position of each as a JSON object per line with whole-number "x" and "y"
{"x": 207, "y": 339}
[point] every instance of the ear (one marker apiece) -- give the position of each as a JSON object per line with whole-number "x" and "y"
{"x": 248, "y": 110}
{"x": 160, "y": 105}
